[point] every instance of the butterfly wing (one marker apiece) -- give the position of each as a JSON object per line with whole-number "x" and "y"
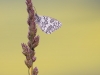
{"x": 48, "y": 24}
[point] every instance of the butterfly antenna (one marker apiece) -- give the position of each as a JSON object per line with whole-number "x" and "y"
{"x": 35, "y": 9}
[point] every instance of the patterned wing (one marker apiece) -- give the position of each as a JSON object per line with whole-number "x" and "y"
{"x": 48, "y": 24}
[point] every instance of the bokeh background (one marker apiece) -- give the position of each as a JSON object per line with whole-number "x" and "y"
{"x": 74, "y": 49}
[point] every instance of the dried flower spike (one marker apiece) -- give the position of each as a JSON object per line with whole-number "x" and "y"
{"x": 28, "y": 50}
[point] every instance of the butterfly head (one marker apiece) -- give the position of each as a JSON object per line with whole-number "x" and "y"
{"x": 37, "y": 18}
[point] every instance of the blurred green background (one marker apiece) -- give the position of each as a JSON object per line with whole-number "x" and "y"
{"x": 74, "y": 49}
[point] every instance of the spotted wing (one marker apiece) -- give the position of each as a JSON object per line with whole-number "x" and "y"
{"x": 48, "y": 24}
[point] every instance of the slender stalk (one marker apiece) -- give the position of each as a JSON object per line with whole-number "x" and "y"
{"x": 31, "y": 70}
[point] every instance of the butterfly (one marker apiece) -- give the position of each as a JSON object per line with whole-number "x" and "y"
{"x": 47, "y": 24}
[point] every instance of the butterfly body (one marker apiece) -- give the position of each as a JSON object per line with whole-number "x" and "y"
{"x": 47, "y": 24}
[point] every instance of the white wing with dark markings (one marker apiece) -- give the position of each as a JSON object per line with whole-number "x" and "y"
{"x": 47, "y": 24}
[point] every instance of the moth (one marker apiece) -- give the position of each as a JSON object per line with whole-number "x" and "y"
{"x": 47, "y": 24}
